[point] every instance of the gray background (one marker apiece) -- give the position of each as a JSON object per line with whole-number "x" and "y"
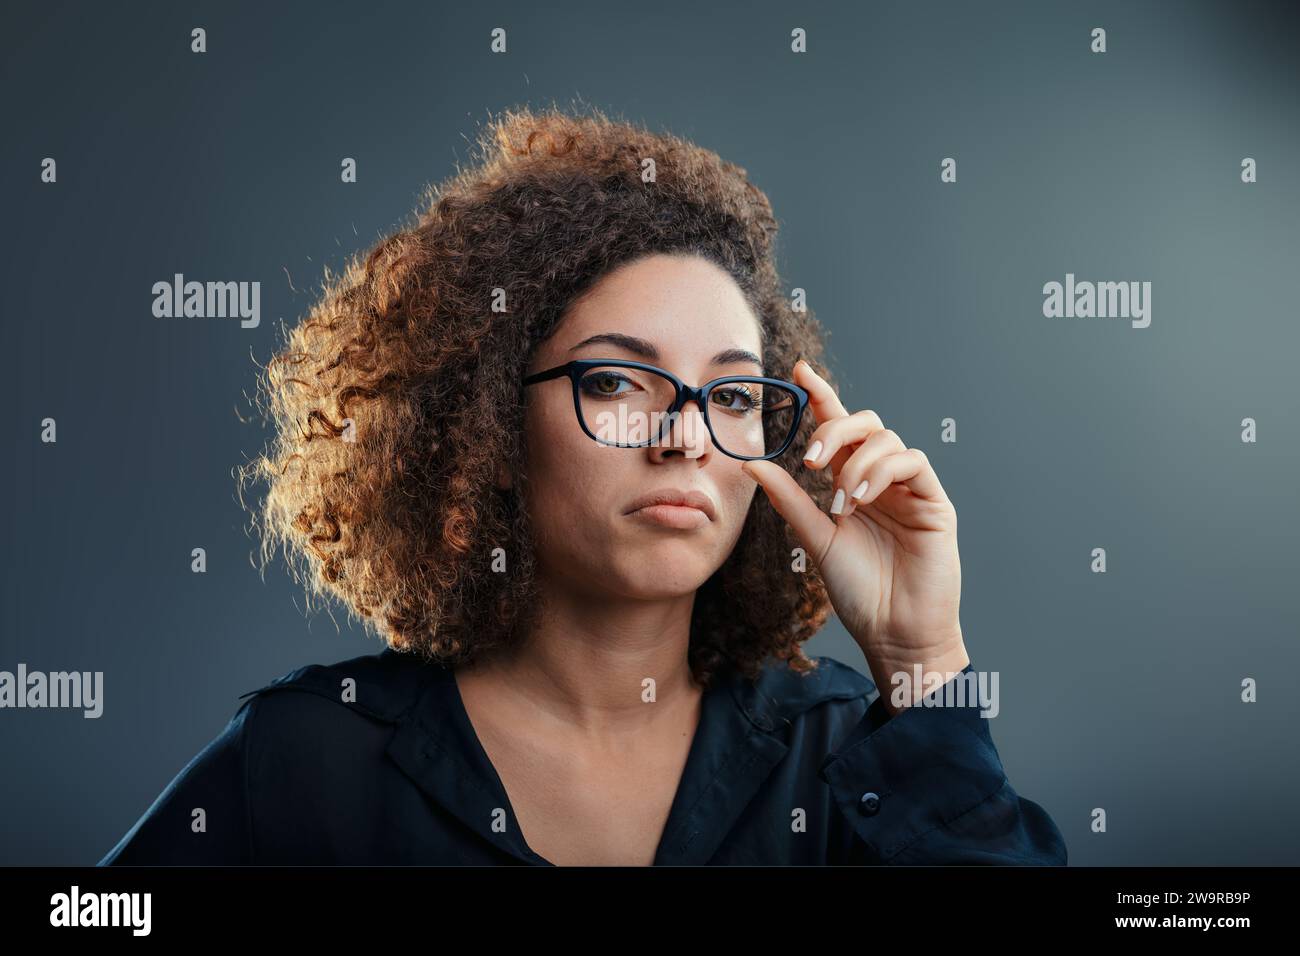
{"x": 1117, "y": 690}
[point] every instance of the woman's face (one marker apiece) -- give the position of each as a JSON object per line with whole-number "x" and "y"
{"x": 678, "y": 313}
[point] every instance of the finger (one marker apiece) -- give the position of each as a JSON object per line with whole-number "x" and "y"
{"x": 910, "y": 468}
{"x": 823, "y": 401}
{"x": 829, "y": 439}
{"x": 811, "y": 525}
{"x": 852, "y": 477}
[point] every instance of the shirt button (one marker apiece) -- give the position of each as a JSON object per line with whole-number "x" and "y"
{"x": 869, "y": 805}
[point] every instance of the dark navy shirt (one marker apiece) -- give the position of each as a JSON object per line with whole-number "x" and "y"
{"x": 784, "y": 770}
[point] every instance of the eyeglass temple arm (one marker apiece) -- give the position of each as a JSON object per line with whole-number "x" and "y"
{"x": 550, "y": 373}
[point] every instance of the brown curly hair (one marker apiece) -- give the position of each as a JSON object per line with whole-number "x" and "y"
{"x": 397, "y": 399}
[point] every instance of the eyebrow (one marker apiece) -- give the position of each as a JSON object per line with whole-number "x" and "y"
{"x": 648, "y": 351}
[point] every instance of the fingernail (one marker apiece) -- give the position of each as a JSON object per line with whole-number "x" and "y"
{"x": 860, "y": 490}
{"x": 837, "y": 505}
{"x": 814, "y": 450}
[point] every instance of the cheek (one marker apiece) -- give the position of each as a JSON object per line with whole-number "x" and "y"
{"x": 559, "y": 451}
{"x": 546, "y": 440}
{"x": 737, "y": 491}
{"x": 555, "y": 444}
{"x": 572, "y": 478}
{"x": 738, "y": 494}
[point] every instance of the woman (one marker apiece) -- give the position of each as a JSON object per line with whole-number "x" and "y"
{"x": 523, "y": 439}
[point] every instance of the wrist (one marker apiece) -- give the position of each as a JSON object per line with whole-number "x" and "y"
{"x": 903, "y": 679}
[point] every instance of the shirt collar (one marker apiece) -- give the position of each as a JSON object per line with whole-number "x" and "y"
{"x": 736, "y": 745}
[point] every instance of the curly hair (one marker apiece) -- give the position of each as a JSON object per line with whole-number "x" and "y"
{"x": 398, "y": 397}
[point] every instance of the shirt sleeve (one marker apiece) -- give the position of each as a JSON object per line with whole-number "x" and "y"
{"x": 215, "y": 781}
{"x": 927, "y": 787}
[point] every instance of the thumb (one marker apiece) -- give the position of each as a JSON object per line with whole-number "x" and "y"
{"x": 811, "y": 525}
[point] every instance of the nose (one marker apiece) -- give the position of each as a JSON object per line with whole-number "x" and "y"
{"x": 685, "y": 433}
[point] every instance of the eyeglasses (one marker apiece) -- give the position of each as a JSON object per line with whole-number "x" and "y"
{"x": 629, "y": 404}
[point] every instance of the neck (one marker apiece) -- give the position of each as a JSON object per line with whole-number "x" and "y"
{"x": 588, "y": 661}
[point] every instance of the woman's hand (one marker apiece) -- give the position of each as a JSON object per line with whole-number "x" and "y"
{"x": 889, "y": 558}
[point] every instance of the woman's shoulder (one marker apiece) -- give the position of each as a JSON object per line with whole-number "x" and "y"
{"x": 382, "y": 687}
{"x": 324, "y": 723}
{"x": 303, "y": 743}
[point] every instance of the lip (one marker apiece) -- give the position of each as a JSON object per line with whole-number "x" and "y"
{"x": 667, "y": 503}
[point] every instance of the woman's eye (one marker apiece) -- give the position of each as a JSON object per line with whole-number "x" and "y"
{"x": 604, "y": 384}
{"x": 737, "y": 399}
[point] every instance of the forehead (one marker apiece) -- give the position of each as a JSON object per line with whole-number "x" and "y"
{"x": 683, "y": 304}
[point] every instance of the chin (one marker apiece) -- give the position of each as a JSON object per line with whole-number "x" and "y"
{"x": 651, "y": 572}
{"x": 668, "y": 572}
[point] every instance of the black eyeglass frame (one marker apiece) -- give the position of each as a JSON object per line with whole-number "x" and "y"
{"x": 685, "y": 393}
